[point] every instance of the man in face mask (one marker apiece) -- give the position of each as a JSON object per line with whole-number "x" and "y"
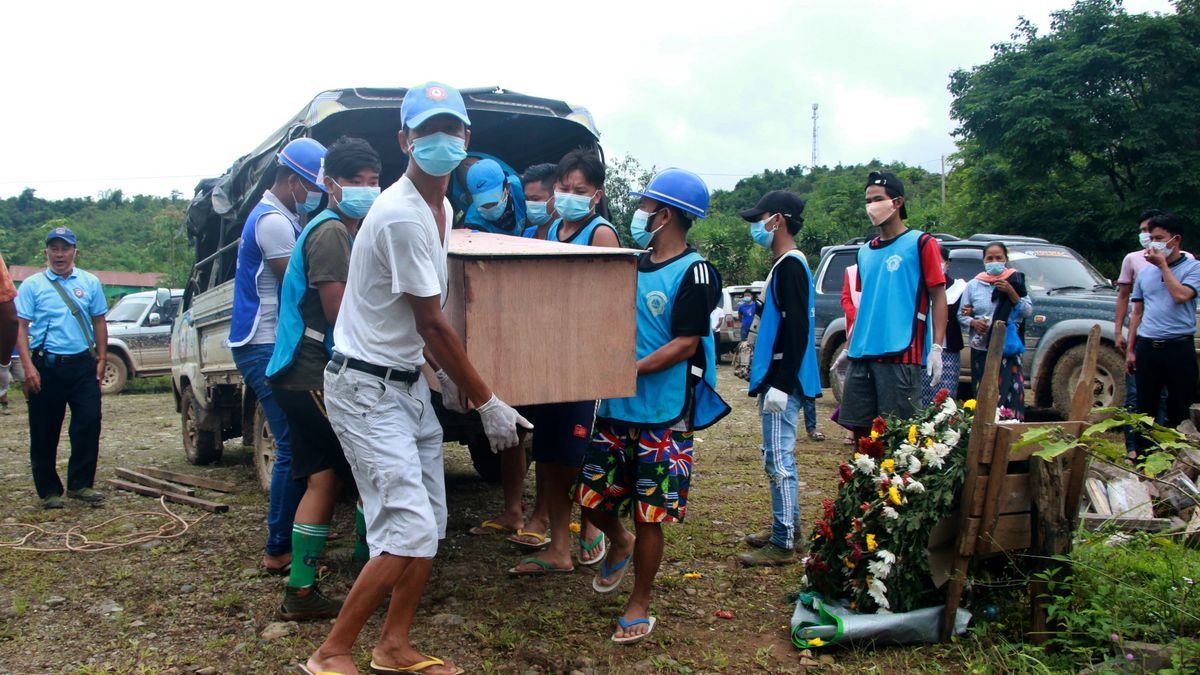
{"x": 746, "y": 310}
{"x": 308, "y": 308}
{"x": 903, "y": 289}
{"x": 578, "y": 193}
{"x": 268, "y": 237}
{"x": 783, "y": 371}
{"x": 499, "y": 200}
{"x": 538, "y": 181}
{"x": 390, "y": 325}
{"x": 1161, "y": 351}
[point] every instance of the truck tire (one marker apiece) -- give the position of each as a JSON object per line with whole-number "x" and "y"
{"x": 201, "y": 446}
{"x": 1108, "y": 389}
{"x": 116, "y": 373}
{"x": 263, "y": 449}
{"x": 486, "y": 462}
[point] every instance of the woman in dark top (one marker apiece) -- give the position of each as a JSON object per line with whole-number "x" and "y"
{"x": 953, "y": 342}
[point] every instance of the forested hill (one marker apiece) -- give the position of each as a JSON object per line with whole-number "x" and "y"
{"x": 138, "y": 234}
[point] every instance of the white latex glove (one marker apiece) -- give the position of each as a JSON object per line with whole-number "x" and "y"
{"x": 774, "y": 401}
{"x": 839, "y": 361}
{"x": 500, "y": 423}
{"x": 451, "y": 398}
{"x": 5, "y": 378}
{"x": 933, "y": 364}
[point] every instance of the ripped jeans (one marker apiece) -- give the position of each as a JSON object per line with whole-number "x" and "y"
{"x": 779, "y": 461}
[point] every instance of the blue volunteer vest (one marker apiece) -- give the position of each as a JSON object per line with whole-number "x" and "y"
{"x": 662, "y": 398}
{"x": 291, "y": 330}
{"x": 888, "y": 314}
{"x": 247, "y": 305}
{"x": 808, "y": 376}
{"x": 584, "y": 235}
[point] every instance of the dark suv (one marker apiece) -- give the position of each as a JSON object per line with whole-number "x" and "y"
{"x": 1068, "y": 295}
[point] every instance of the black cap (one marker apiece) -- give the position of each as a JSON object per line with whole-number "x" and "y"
{"x": 890, "y": 183}
{"x": 777, "y": 201}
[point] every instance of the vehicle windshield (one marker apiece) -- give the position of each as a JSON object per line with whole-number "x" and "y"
{"x": 128, "y": 310}
{"x": 1053, "y": 269}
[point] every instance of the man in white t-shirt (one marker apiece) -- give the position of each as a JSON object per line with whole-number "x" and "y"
{"x": 390, "y": 324}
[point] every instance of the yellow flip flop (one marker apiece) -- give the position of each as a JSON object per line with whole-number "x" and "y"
{"x": 303, "y": 668}
{"x": 542, "y": 540}
{"x": 489, "y": 527}
{"x": 418, "y": 667}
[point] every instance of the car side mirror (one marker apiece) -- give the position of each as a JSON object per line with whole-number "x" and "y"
{"x": 154, "y": 319}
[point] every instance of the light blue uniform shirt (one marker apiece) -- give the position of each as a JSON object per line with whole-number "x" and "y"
{"x": 1162, "y": 317}
{"x": 51, "y": 325}
{"x": 978, "y": 295}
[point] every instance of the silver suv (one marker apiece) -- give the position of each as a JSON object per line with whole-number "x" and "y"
{"x": 139, "y": 337}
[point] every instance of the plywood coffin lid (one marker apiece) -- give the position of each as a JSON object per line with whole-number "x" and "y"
{"x": 474, "y": 245}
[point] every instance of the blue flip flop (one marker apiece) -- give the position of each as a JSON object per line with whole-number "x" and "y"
{"x": 605, "y": 571}
{"x": 632, "y": 639}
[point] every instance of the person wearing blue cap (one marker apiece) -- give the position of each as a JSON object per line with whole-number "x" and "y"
{"x": 309, "y": 303}
{"x": 641, "y": 449}
{"x": 63, "y": 339}
{"x": 268, "y": 237}
{"x": 498, "y": 199}
{"x": 390, "y": 325}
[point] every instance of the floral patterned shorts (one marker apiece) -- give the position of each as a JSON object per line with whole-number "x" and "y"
{"x": 649, "y": 467}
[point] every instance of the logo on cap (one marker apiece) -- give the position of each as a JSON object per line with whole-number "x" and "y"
{"x": 60, "y": 230}
{"x": 435, "y": 94}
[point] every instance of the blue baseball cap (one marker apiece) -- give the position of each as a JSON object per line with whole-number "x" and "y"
{"x": 485, "y": 180}
{"x": 429, "y": 99}
{"x": 63, "y": 233}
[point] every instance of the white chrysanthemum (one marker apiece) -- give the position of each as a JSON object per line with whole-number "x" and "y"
{"x": 804, "y": 581}
{"x": 951, "y": 437}
{"x": 941, "y": 417}
{"x": 914, "y": 465}
{"x": 878, "y": 592}
{"x": 949, "y": 406}
{"x": 879, "y": 568}
{"x": 864, "y": 464}
{"x": 889, "y": 512}
{"x": 928, "y": 429}
{"x": 886, "y": 556}
{"x": 934, "y": 460}
{"x": 914, "y": 486}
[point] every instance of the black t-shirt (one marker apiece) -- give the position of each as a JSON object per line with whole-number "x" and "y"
{"x": 697, "y": 297}
{"x": 791, "y": 340}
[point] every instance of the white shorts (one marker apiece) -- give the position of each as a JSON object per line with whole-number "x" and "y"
{"x": 393, "y": 442}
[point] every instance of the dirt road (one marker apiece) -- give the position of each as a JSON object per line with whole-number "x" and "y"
{"x": 200, "y": 601}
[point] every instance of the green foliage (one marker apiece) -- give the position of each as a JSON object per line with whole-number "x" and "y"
{"x": 141, "y": 234}
{"x": 624, "y": 174}
{"x": 1071, "y": 134}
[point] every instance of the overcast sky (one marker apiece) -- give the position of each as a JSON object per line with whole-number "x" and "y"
{"x": 152, "y": 96}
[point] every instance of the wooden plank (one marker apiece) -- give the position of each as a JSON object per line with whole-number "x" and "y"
{"x": 1095, "y": 521}
{"x": 1081, "y": 404}
{"x": 1012, "y": 532}
{"x": 188, "y": 479}
{"x": 1097, "y": 495}
{"x": 1013, "y": 495}
{"x": 1051, "y": 536}
{"x": 154, "y": 482}
{"x": 996, "y": 475}
{"x": 212, "y": 507}
{"x": 1016, "y": 429}
{"x": 468, "y": 244}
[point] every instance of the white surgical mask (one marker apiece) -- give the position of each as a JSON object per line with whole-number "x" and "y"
{"x": 1144, "y": 239}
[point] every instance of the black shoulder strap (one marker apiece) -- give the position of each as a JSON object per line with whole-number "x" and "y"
{"x": 78, "y": 314}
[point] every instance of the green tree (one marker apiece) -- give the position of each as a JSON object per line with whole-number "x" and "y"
{"x": 624, "y": 174}
{"x": 1069, "y": 135}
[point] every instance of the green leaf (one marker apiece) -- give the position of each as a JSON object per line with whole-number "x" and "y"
{"x": 1035, "y": 437}
{"x": 1157, "y": 463}
{"x": 1052, "y": 450}
{"x": 1102, "y": 426}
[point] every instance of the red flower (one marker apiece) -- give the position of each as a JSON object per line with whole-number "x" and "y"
{"x": 865, "y": 506}
{"x": 940, "y": 397}
{"x": 857, "y": 524}
{"x": 857, "y": 553}
{"x": 827, "y": 505}
{"x": 816, "y": 564}
{"x": 846, "y": 473}
{"x": 824, "y": 530}
{"x": 870, "y": 447}
{"x": 879, "y": 426}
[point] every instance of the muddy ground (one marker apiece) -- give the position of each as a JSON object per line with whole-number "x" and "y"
{"x": 200, "y": 601}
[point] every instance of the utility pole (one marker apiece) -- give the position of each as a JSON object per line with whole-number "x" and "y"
{"x": 813, "y": 165}
{"x": 943, "y": 180}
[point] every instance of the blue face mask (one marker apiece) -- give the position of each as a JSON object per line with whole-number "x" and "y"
{"x": 357, "y": 199}
{"x": 573, "y": 207}
{"x": 493, "y": 213}
{"x": 638, "y": 227}
{"x": 536, "y": 214}
{"x": 438, "y": 154}
{"x": 760, "y": 234}
{"x": 994, "y": 268}
{"x": 312, "y": 201}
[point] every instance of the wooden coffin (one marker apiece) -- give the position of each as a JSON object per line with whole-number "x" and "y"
{"x": 545, "y": 322}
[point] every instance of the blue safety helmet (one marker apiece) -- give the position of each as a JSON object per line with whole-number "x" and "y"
{"x": 679, "y": 188}
{"x": 304, "y": 156}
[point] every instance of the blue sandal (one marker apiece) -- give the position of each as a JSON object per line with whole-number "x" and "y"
{"x": 632, "y": 639}
{"x": 606, "y": 571}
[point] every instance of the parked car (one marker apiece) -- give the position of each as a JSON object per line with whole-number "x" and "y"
{"x": 731, "y": 329}
{"x": 1069, "y": 296}
{"x": 139, "y": 337}
{"x": 209, "y": 394}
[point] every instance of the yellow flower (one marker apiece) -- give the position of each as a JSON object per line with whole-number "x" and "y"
{"x": 816, "y": 642}
{"x": 969, "y": 405}
{"x": 888, "y": 466}
{"x": 929, "y": 442}
{"x": 693, "y": 575}
{"x": 849, "y": 564}
{"x": 894, "y": 495}
{"x": 871, "y": 543}
{"x": 912, "y": 435}
{"x": 575, "y": 528}
{"x": 874, "y": 437}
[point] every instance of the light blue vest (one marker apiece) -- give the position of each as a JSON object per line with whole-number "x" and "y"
{"x": 768, "y": 328}
{"x": 887, "y": 313}
{"x": 247, "y": 305}
{"x": 584, "y": 235}
{"x": 291, "y": 330}
{"x": 516, "y": 195}
{"x": 662, "y": 398}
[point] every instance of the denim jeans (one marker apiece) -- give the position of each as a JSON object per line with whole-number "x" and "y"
{"x": 779, "y": 461}
{"x": 285, "y": 496}
{"x": 810, "y": 414}
{"x": 1131, "y": 393}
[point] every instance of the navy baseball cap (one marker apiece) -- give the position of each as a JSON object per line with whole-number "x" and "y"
{"x": 776, "y": 201}
{"x": 63, "y": 233}
{"x": 429, "y": 99}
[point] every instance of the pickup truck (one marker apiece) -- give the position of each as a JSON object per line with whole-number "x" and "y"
{"x": 139, "y": 335}
{"x": 1069, "y": 296}
{"x": 209, "y": 396}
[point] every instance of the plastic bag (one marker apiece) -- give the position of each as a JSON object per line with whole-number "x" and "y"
{"x": 833, "y": 622}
